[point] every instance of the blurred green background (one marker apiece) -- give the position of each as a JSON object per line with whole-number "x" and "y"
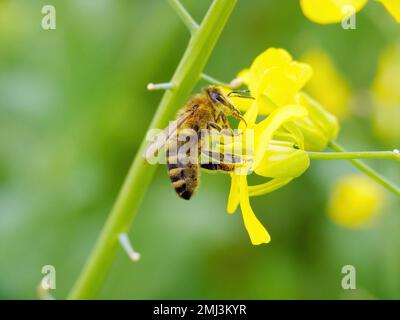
{"x": 74, "y": 108}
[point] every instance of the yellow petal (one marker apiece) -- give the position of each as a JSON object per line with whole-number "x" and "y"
{"x": 320, "y": 127}
{"x": 315, "y": 139}
{"x": 266, "y": 128}
{"x": 295, "y": 134}
{"x": 234, "y": 196}
{"x": 244, "y": 77}
{"x": 281, "y": 83}
{"x": 268, "y": 187}
{"x": 270, "y": 58}
{"x": 258, "y": 234}
{"x": 329, "y": 11}
{"x": 250, "y": 116}
{"x": 265, "y": 104}
{"x": 393, "y": 6}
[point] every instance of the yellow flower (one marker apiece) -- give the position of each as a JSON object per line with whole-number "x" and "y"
{"x": 329, "y": 11}
{"x": 276, "y": 80}
{"x": 386, "y": 93}
{"x": 328, "y": 85}
{"x": 333, "y": 11}
{"x": 294, "y": 123}
{"x": 393, "y": 6}
{"x": 355, "y": 201}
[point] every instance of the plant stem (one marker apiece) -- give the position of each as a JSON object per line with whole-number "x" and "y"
{"x": 367, "y": 170}
{"x": 184, "y": 15}
{"x": 140, "y": 174}
{"x": 387, "y": 155}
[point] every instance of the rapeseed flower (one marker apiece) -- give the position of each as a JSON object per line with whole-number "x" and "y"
{"x": 333, "y": 11}
{"x": 294, "y": 124}
{"x": 274, "y": 80}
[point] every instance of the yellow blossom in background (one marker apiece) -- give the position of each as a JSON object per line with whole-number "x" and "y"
{"x": 333, "y": 11}
{"x": 14, "y": 22}
{"x": 386, "y": 83}
{"x": 329, "y": 11}
{"x": 386, "y": 94}
{"x": 393, "y": 6}
{"x": 328, "y": 85}
{"x": 355, "y": 201}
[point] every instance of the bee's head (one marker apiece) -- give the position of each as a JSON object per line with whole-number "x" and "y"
{"x": 222, "y": 102}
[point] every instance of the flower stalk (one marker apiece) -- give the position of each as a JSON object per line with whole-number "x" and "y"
{"x": 368, "y": 171}
{"x": 184, "y": 15}
{"x": 386, "y": 155}
{"x": 188, "y": 72}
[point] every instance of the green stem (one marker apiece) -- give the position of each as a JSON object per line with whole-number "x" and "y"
{"x": 184, "y": 15}
{"x": 386, "y": 155}
{"x": 367, "y": 170}
{"x": 140, "y": 174}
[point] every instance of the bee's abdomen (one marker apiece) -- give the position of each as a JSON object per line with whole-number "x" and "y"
{"x": 183, "y": 167}
{"x": 184, "y": 178}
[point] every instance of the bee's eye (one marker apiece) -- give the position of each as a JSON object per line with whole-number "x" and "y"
{"x": 218, "y": 97}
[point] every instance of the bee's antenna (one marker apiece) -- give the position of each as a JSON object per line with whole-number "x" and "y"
{"x": 240, "y": 91}
{"x": 239, "y": 94}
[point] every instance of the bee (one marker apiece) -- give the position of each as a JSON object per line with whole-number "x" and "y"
{"x": 205, "y": 111}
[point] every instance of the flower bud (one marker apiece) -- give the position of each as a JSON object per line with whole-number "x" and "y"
{"x": 282, "y": 160}
{"x": 320, "y": 127}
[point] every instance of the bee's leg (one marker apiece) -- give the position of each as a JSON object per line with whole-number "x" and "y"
{"x": 218, "y": 157}
{"x": 213, "y": 125}
{"x": 218, "y": 166}
{"x": 225, "y": 130}
{"x": 222, "y": 121}
{"x": 221, "y": 118}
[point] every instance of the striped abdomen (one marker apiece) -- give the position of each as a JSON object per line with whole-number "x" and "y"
{"x": 182, "y": 171}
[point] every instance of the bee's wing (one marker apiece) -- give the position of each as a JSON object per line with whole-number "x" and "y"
{"x": 163, "y": 137}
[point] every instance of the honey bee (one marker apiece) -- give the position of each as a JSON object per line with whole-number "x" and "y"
{"x": 205, "y": 111}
